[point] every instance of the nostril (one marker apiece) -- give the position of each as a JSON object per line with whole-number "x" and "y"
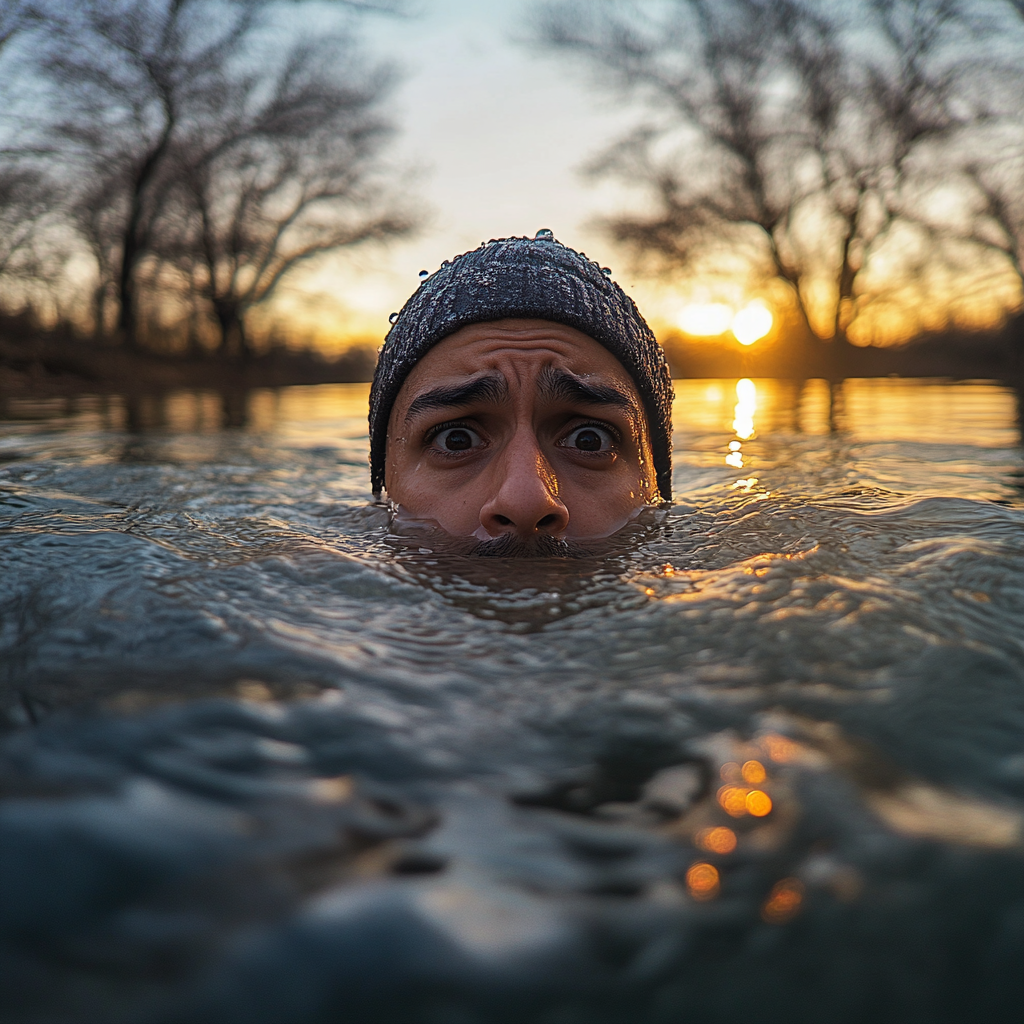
{"x": 549, "y": 520}
{"x": 503, "y": 520}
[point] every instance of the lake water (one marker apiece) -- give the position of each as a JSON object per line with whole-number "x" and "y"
{"x": 271, "y": 757}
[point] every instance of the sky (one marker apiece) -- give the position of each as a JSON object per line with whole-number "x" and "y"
{"x": 494, "y": 133}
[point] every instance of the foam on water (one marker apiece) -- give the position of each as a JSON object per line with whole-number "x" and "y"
{"x": 274, "y": 756}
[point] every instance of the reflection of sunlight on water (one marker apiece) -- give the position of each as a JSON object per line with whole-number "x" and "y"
{"x": 716, "y": 840}
{"x": 743, "y": 420}
{"x": 875, "y": 409}
{"x": 746, "y": 406}
{"x": 702, "y": 881}
{"x": 783, "y": 901}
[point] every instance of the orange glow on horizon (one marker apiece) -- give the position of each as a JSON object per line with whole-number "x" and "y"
{"x": 712, "y": 319}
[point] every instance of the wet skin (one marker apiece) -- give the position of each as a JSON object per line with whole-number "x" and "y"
{"x": 523, "y": 428}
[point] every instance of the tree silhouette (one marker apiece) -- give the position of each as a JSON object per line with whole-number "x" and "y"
{"x": 792, "y": 130}
{"x": 210, "y": 149}
{"x": 275, "y": 173}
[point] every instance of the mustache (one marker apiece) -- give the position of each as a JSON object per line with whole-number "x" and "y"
{"x": 510, "y": 546}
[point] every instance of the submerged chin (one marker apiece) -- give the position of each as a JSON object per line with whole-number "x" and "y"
{"x": 440, "y": 536}
{"x": 509, "y": 545}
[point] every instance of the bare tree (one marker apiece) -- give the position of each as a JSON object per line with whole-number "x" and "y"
{"x": 25, "y": 197}
{"x": 276, "y": 173}
{"x": 994, "y": 166}
{"x": 787, "y": 128}
{"x": 169, "y": 120}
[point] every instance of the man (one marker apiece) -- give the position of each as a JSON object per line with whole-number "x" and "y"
{"x": 521, "y": 399}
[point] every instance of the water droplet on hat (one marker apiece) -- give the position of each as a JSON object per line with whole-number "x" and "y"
{"x": 392, "y": 318}
{"x": 424, "y": 274}
{"x": 544, "y": 235}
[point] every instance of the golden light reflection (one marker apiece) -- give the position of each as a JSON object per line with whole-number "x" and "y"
{"x": 746, "y": 406}
{"x": 716, "y": 840}
{"x": 702, "y": 881}
{"x": 753, "y": 773}
{"x": 752, "y": 323}
{"x": 781, "y": 749}
{"x": 733, "y": 800}
{"x": 731, "y": 771}
{"x": 338, "y": 790}
{"x": 758, "y": 803}
{"x": 783, "y": 901}
{"x": 705, "y": 319}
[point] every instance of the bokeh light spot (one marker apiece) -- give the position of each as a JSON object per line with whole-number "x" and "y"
{"x": 731, "y": 771}
{"x": 780, "y": 749}
{"x": 716, "y": 840}
{"x": 702, "y": 881}
{"x": 733, "y": 800}
{"x": 758, "y": 803}
{"x": 753, "y": 773}
{"x": 783, "y": 901}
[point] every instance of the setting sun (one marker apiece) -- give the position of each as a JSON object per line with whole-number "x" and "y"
{"x": 712, "y": 319}
{"x": 752, "y": 323}
{"x": 706, "y": 319}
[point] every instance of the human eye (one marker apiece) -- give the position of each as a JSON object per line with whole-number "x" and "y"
{"x": 591, "y": 438}
{"x": 454, "y": 438}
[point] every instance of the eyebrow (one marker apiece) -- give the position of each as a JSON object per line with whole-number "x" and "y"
{"x": 567, "y": 386}
{"x": 454, "y": 396}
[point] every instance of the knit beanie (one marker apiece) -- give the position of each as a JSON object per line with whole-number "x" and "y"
{"x": 524, "y": 278}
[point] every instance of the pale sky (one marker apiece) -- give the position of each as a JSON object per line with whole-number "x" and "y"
{"x": 495, "y": 133}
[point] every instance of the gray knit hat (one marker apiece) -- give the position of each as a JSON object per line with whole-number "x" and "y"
{"x": 525, "y": 278}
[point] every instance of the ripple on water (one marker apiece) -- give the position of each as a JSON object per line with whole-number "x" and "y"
{"x": 320, "y": 768}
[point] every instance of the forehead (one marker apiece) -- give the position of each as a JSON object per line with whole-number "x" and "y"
{"x": 520, "y": 350}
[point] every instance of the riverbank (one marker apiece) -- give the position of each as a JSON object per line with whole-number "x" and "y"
{"x": 62, "y": 367}
{"x": 57, "y": 366}
{"x": 991, "y": 355}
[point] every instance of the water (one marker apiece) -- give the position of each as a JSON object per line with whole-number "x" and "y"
{"x": 271, "y": 758}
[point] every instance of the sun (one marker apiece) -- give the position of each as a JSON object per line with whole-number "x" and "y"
{"x": 705, "y": 319}
{"x": 713, "y": 319}
{"x": 752, "y": 323}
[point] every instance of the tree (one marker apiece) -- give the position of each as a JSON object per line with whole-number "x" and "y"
{"x": 789, "y": 129}
{"x": 995, "y": 169}
{"x": 25, "y": 197}
{"x": 175, "y": 111}
{"x": 273, "y": 174}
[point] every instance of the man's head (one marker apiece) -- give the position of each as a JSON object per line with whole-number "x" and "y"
{"x": 521, "y": 398}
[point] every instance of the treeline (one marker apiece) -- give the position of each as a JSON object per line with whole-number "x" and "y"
{"x": 167, "y": 164}
{"x": 861, "y": 162}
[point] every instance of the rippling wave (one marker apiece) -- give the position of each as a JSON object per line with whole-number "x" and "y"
{"x": 272, "y": 757}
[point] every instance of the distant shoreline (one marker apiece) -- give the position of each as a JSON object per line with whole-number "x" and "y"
{"x": 68, "y": 368}
{"x": 59, "y": 366}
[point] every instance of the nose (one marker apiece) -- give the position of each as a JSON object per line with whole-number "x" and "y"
{"x": 525, "y": 497}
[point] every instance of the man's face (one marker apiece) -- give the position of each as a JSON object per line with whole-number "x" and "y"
{"x": 521, "y": 430}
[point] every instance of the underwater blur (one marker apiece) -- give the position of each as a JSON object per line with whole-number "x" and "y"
{"x": 272, "y": 756}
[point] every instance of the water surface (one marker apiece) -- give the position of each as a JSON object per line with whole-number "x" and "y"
{"x": 268, "y": 760}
